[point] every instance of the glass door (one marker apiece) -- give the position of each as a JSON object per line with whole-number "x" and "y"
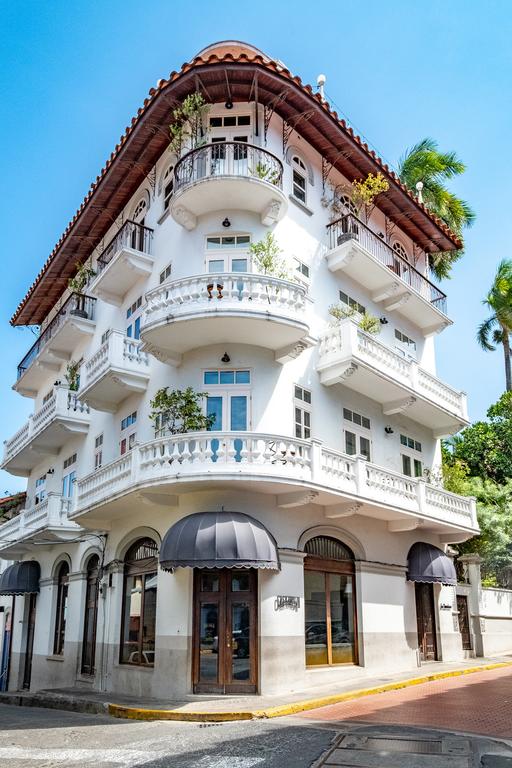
{"x": 225, "y": 634}
{"x": 231, "y": 414}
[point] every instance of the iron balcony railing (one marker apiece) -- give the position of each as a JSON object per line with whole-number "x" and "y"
{"x": 131, "y": 235}
{"x": 349, "y": 226}
{"x": 78, "y": 305}
{"x": 228, "y": 158}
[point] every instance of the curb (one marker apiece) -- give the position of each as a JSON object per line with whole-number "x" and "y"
{"x": 137, "y": 713}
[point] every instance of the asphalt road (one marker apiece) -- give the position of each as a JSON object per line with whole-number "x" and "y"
{"x": 46, "y": 738}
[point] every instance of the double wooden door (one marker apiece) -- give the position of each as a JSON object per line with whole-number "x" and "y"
{"x": 425, "y": 615}
{"x": 225, "y": 631}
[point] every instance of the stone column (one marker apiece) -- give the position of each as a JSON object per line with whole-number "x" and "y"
{"x": 472, "y": 568}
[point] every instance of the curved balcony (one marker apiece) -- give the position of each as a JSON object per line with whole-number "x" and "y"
{"x": 228, "y": 175}
{"x": 236, "y": 308}
{"x": 296, "y": 472}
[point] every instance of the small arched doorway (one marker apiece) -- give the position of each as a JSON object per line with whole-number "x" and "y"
{"x": 90, "y": 616}
{"x": 329, "y": 603}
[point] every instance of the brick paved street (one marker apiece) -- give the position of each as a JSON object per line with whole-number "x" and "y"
{"x": 479, "y": 704}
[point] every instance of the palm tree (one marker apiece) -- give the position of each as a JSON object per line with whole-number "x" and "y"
{"x": 498, "y": 327}
{"x": 424, "y": 162}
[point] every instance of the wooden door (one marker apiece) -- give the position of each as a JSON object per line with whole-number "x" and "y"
{"x": 29, "y": 646}
{"x": 225, "y": 631}
{"x": 462, "y": 608}
{"x": 425, "y": 615}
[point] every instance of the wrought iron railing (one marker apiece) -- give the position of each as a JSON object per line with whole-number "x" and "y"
{"x": 131, "y": 235}
{"x": 228, "y": 158}
{"x": 349, "y": 226}
{"x": 78, "y": 305}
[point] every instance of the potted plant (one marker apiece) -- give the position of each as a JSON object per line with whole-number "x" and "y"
{"x": 265, "y": 173}
{"x": 266, "y": 255}
{"x": 72, "y": 375}
{"x": 177, "y": 411}
{"x": 76, "y": 285}
{"x": 366, "y": 322}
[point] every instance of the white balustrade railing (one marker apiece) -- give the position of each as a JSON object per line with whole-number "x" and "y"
{"x": 345, "y": 341}
{"x": 227, "y": 291}
{"x": 51, "y": 512}
{"x": 256, "y": 456}
{"x": 117, "y": 351}
{"x": 62, "y": 404}
{"x": 441, "y": 392}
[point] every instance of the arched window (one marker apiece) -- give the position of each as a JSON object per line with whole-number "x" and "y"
{"x": 91, "y": 614}
{"x": 168, "y": 185}
{"x": 139, "y": 604}
{"x": 348, "y": 205}
{"x": 329, "y": 602}
{"x": 300, "y": 179}
{"x": 140, "y": 210}
{"x": 400, "y": 250}
{"x": 62, "y": 604}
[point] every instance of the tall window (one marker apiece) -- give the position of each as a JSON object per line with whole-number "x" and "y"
{"x": 302, "y": 411}
{"x": 62, "y": 605}
{"x": 168, "y": 185}
{"x": 329, "y": 602}
{"x": 98, "y": 451}
{"x": 128, "y": 433}
{"x": 412, "y": 458}
{"x": 300, "y": 179}
{"x": 69, "y": 476}
{"x": 139, "y": 604}
{"x": 133, "y": 317}
{"x": 40, "y": 490}
{"x": 91, "y": 614}
{"x": 357, "y": 434}
{"x": 404, "y": 344}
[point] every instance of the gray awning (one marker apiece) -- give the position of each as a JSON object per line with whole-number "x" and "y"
{"x": 218, "y": 540}
{"x": 21, "y": 578}
{"x": 430, "y": 564}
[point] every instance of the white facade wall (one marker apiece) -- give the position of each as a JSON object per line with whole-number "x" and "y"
{"x": 387, "y": 633}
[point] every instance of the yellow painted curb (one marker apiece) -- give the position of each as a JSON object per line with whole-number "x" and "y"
{"x": 138, "y": 713}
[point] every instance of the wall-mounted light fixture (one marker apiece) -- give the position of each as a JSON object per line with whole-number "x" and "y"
{"x": 225, "y": 358}
{"x": 229, "y": 104}
{"x": 389, "y": 430}
{"x": 384, "y": 321}
{"x": 226, "y": 223}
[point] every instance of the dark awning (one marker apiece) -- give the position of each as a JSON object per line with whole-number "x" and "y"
{"x": 430, "y": 564}
{"x": 218, "y": 540}
{"x": 21, "y": 578}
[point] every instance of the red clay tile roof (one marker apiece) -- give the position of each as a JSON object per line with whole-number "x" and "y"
{"x": 147, "y": 137}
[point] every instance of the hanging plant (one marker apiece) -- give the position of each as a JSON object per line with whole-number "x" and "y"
{"x": 177, "y": 412}
{"x": 187, "y": 129}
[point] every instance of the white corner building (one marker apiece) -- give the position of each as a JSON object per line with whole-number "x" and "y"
{"x": 300, "y": 541}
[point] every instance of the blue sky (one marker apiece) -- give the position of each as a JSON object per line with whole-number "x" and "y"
{"x": 72, "y": 74}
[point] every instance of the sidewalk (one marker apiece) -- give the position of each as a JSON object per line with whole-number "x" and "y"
{"x": 202, "y": 708}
